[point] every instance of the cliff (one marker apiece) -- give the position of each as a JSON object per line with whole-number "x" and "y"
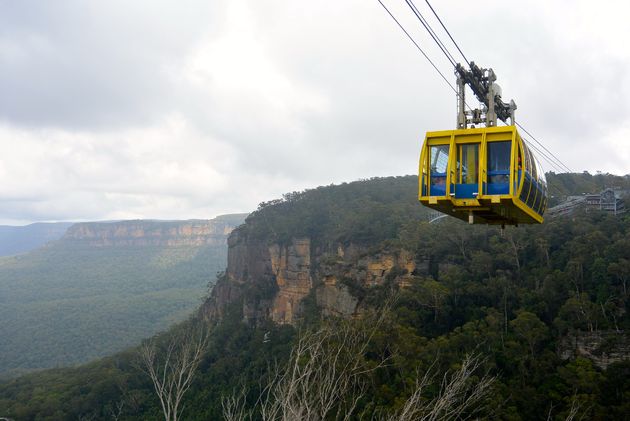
{"x": 321, "y": 247}
{"x": 211, "y": 232}
{"x": 603, "y": 348}
{"x": 283, "y": 275}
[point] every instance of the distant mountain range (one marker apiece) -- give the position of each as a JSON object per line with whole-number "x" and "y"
{"x": 20, "y": 239}
{"x": 101, "y": 286}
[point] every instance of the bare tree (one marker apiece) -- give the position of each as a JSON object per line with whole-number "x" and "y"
{"x": 458, "y": 398}
{"x": 234, "y": 407}
{"x": 172, "y": 367}
{"x": 324, "y": 377}
{"x": 573, "y": 411}
{"x": 115, "y": 409}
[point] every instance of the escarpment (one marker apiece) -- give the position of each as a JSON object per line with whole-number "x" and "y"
{"x": 194, "y": 233}
{"x": 271, "y": 280}
{"x": 323, "y": 249}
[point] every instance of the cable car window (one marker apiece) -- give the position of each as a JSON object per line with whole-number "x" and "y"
{"x": 543, "y": 204}
{"x": 537, "y": 173}
{"x": 439, "y": 158}
{"x": 528, "y": 160}
{"x": 439, "y": 164}
{"x": 468, "y": 163}
{"x": 531, "y": 200}
{"x": 531, "y": 163}
{"x": 527, "y": 184}
{"x": 519, "y": 169}
{"x": 539, "y": 197}
{"x": 499, "y": 161}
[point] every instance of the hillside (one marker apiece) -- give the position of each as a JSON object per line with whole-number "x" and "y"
{"x": 103, "y": 287}
{"x": 20, "y": 239}
{"x": 546, "y": 306}
{"x": 562, "y": 185}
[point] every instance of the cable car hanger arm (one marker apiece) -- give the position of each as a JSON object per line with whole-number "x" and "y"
{"x": 482, "y": 83}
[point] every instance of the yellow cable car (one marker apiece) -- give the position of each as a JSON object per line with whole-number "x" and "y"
{"x": 482, "y": 175}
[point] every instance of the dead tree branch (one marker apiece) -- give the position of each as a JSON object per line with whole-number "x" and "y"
{"x": 172, "y": 367}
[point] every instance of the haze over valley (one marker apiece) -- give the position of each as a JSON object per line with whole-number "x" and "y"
{"x": 103, "y": 287}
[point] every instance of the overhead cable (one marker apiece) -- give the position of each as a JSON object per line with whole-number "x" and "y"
{"x": 566, "y": 168}
{"x": 449, "y": 34}
{"x": 555, "y": 163}
{"x": 431, "y": 32}
{"x": 418, "y": 47}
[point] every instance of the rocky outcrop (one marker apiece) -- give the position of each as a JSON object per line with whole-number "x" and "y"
{"x": 195, "y": 233}
{"x": 291, "y": 266}
{"x": 271, "y": 281}
{"x": 603, "y": 347}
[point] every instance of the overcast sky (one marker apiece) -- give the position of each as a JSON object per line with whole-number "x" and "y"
{"x": 182, "y": 109}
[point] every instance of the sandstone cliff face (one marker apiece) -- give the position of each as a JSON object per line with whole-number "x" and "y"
{"x": 152, "y": 233}
{"x": 291, "y": 267}
{"x": 603, "y": 348}
{"x": 288, "y": 273}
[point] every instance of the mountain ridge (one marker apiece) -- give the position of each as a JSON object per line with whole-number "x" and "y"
{"x": 103, "y": 287}
{"x": 194, "y": 232}
{"x": 22, "y": 239}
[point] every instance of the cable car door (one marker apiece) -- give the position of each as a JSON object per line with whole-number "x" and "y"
{"x": 467, "y": 176}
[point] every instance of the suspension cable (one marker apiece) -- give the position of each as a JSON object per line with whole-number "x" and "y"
{"x": 542, "y": 155}
{"x": 566, "y": 168}
{"x": 418, "y": 47}
{"x": 431, "y": 32}
{"x": 555, "y": 163}
{"x": 449, "y": 34}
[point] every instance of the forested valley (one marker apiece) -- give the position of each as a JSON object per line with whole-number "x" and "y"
{"x": 75, "y": 300}
{"x": 526, "y": 323}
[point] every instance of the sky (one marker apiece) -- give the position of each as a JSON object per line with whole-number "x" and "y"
{"x": 195, "y": 108}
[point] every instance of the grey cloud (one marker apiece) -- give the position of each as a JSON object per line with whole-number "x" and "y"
{"x": 320, "y": 92}
{"x": 96, "y": 65}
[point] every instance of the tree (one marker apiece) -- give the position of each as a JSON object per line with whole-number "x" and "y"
{"x": 172, "y": 366}
{"x": 457, "y": 395}
{"x": 621, "y": 270}
{"x": 432, "y": 294}
{"x": 578, "y": 313}
{"x": 324, "y": 377}
{"x": 529, "y": 327}
{"x": 327, "y": 374}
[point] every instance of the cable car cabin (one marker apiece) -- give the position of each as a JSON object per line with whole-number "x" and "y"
{"x": 484, "y": 175}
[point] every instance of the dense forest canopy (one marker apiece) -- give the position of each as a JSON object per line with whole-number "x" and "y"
{"x": 66, "y": 304}
{"x": 527, "y": 299}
